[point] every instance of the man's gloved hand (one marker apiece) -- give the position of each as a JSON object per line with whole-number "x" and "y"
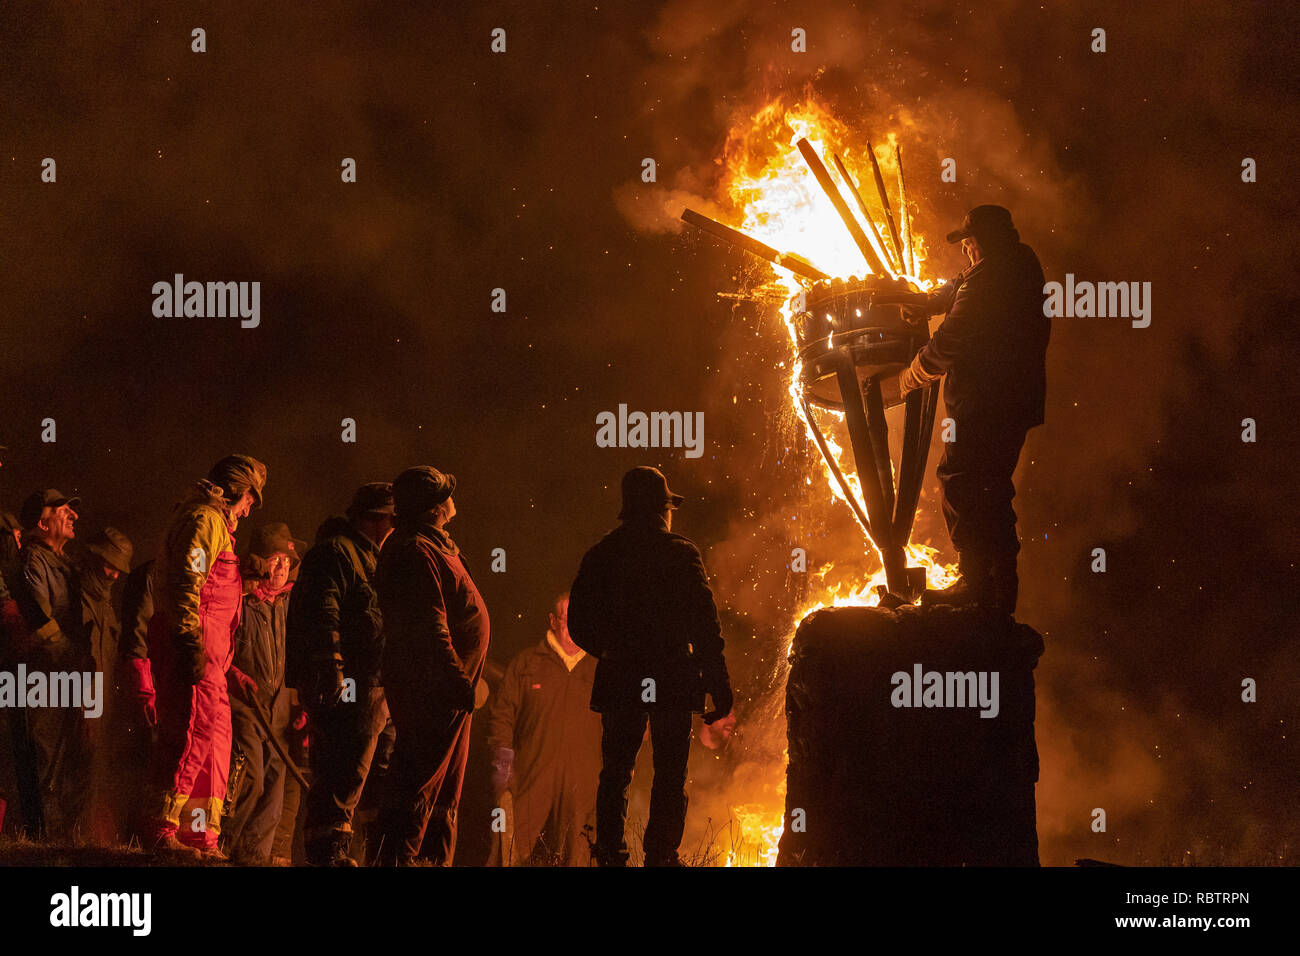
{"x": 137, "y": 683}
{"x": 503, "y": 762}
{"x": 723, "y": 701}
{"x": 328, "y": 685}
{"x": 191, "y": 659}
{"x": 915, "y": 376}
{"x": 240, "y": 684}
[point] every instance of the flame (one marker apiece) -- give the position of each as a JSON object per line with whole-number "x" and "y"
{"x": 781, "y": 204}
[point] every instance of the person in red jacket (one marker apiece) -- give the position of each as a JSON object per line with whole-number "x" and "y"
{"x": 198, "y": 595}
{"x": 436, "y": 640}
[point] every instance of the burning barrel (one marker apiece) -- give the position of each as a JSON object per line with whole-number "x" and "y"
{"x": 911, "y": 739}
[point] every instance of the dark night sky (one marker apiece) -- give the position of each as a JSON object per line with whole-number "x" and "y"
{"x": 521, "y": 171}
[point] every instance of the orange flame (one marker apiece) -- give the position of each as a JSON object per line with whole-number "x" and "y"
{"x": 781, "y": 204}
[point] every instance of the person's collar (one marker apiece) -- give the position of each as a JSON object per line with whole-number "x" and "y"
{"x": 426, "y": 526}
{"x": 570, "y": 660}
{"x": 265, "y": 592}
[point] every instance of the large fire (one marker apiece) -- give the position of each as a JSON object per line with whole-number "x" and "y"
{"x": 782, "y": 205}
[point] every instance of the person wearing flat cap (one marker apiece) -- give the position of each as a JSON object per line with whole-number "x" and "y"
{"x": 48, "y": 593}
{"x": 436, "y": 634}
{"x": 336, "y": 645}
{"x": 992, "y": 348}
{"x": 642, "y": 606}
{"x": 198, "y": 600}
{"x": 257, "y": 787}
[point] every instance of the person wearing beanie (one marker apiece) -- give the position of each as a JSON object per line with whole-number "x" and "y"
{"x": 436, "y": 635}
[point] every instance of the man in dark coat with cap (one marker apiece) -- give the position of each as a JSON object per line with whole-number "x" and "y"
{"x": 49, "y": 599}
{"x": 435, "y": 643}
{"x": 642, "y": 606}
{"x": 992, "y": 346}
{"x": 258, "y": 791}
{"x": 336, "y": 646}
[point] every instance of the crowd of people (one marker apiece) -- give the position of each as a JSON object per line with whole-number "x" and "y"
{"x": 285, "y": 692}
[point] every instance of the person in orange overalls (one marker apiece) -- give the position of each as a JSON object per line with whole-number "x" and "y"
{"x": 198, "y": 595}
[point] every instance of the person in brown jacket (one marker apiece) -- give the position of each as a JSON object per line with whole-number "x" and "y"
{"x": 545, "y": 743}
{"x": 436, "y": 640}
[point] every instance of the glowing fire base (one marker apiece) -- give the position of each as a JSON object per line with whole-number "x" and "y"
{"x": 873, "y": 783}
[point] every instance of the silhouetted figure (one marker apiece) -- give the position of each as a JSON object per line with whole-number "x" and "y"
{"x": 642, "y": 606}
{"x": 435, "y": 643}
{"x": 992, "y": 345}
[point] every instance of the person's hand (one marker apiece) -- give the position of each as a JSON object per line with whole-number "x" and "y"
{"x": 723, "y": 703}
{"x": 503, "y": 760}
{"x": 328, "y": 687}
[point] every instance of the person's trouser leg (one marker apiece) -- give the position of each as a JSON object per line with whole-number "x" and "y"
{"x": 670, "y": 738}
{"x": 620, "y": 740}
{"x": 344, "y": 740}
{"x": 439, "y": 844}
{"x": 975, "y": 476}
{"x": 247, "y": 741}
{"x": 424, "y": 750}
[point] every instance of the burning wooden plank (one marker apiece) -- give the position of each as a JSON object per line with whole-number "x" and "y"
{"x": 796, "y": 264}
{"x": 884, "y": 202}
{"x": 828, "y": 185}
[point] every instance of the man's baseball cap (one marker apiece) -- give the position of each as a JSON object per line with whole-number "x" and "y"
{"x": 983, "y": 221}
{"x": 418, "y": 489}
{"x": 38, "y": 501}
{"x": 646, "y": 489}
{"x": 372, "y": 498}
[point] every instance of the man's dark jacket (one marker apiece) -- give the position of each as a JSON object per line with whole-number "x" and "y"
{"x": 993, "y": 341}
{"x": 260, "y": 645}
{"x": 435, "y": 621}
{"x": 642, "y": 606}
{"x": 335, "y": 594}
{"x": 49, "y": 595}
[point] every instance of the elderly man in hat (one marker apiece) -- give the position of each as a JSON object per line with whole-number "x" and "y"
{"x": 106, "y": 558}
{"x": 49, "y": 598}
{"x": 992, "y": 346}
{"x": 257, "y": 786}
{"x": 198, "y": 597}
{"x": 642, "y": 606}
{"x": 435, "y": 643}
{"x": 336, "y": 646}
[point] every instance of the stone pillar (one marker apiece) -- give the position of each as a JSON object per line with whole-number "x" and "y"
{"x": 871, "y": 782}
